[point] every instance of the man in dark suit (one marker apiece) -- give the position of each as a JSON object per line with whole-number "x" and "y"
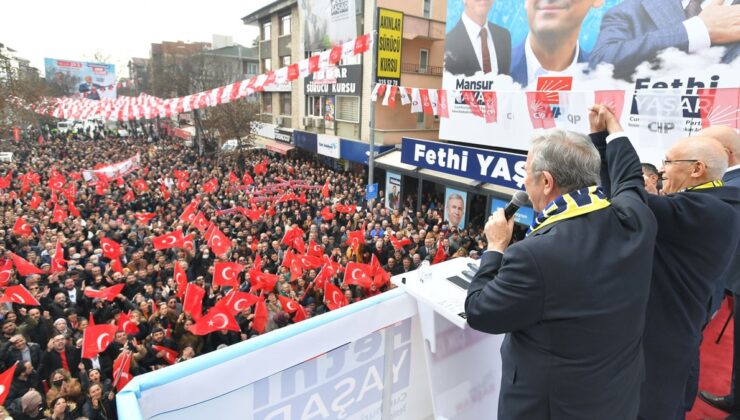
{"x": 18, "y": 350}
{"x": 573, "y": 307}
{"x": 59, "y": 355}
{"x": 475, "y": 44}
{"x": 731, "y": 278}
{"x": 552, "y": 43}
{"x": 636, "y": 30}
{"x": 698, "y": 231}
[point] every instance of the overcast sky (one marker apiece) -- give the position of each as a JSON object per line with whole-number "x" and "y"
{"x": 76, "y": 30}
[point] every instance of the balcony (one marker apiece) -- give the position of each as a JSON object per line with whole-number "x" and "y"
{"x": 417, "y": 27}
{"x": 417, "y": 69}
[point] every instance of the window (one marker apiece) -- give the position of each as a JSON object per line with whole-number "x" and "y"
{"x": 252, "y": 68}
{"x": 348, "y": 108}
{"x": 285, "y": 61}
{"x": 315, "y": 106}
{"x": 423, "y": 60}
{"x": 285, "y": 103}
{"x": 427, "y": 12}
{"x": 266, "y": 103}
{"x": 266, "y": 31}
{"x": 285, "y": 25}
{"x": 266, "y": 64}
{"x": 419, "y": 120}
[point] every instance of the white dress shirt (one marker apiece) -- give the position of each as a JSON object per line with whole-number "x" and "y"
{"x": 473, "y": 30}
{"x": 535, "y": 69}
{"x": 697, "y": 30}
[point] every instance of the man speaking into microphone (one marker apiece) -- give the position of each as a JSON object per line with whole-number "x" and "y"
{"x": 571, "y": 296}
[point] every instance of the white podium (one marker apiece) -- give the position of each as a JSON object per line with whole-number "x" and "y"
{"x": 464, "y": 365}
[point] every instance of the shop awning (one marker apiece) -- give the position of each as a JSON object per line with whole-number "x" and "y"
{"x": 442, "y": 177}
{"x": 499, "y": 190}
{"x": 278, "y": 147}
{"x": 392, "y": 162}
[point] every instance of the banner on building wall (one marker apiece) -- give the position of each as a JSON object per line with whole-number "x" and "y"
{"x": 340, "y": 80}
{"x": 455, "y": 207}
{"x": 89, "y": 80}
{"x": 390, "y": 39}
{"x": 328, "y": 145}
{"x": 393, "y": 190}
{"x": 604, "y": 58}
{"x": 327, "y": 23}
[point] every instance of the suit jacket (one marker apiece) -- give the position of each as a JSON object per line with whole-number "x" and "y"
{"x": 731, "y": 277}
{"x": 519, "y": 64}
{"x": 573, "y": 308}
{"x": 636, "y": 30}
{"x": 15, "y": 355}
{"x": 52, "y": 361}
{"x": 460, "y": 56}
{"x": 698, "y": 233}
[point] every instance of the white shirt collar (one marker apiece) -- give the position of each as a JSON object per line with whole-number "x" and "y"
{"x": 535, "y": 69}
{"x": 732, "y": 168}
{"x": 472, "y": 28}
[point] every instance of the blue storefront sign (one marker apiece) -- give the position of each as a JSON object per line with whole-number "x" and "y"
{"x": 371, "y": 191}
{"x": 357, "y": 151}
{"x": 524, "y": 215}
{"x": 306, "y": 141}
{"x": 498, "y": 168}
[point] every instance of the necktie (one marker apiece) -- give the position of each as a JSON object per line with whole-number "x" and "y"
{"x": 692, "y": 9}
{"x": 484, "y": 49}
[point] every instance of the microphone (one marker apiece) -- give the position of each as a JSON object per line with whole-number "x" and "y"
{"x": 520, "y": 199}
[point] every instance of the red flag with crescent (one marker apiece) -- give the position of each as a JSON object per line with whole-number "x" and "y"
{"x": 216, "y": 319}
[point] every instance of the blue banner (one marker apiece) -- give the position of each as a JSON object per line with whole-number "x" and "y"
{"x": 371, "y": 191}
{"x": 357, "y": 151}
{"x": 498, "y": 168}
{"x": 525, "y": 215}
{"x": 305, "y": 141}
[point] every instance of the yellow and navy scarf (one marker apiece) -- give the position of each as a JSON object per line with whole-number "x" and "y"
{"x": 572, "y": 204}
{"x": 711, "y": 184}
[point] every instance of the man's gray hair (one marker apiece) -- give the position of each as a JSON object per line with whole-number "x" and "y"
{"x": 455, "y": 196}
{"x": 570, "y": 157}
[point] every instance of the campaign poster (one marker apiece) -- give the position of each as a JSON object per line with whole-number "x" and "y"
{"x": 82, "y": 79}
{"x": 514, "y": 67}
{"x": 455, "y": 207}
{"x": 327, "y": 23}
{"x": 393, "y": 190}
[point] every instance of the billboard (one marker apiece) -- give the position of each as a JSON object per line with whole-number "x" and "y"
{"x": 340, "y": 80}
{"x": 393, "y": 190}
{"x": 90, "y": 80}
{"x": 455, "y": 207}
{"x": 327, "y": 23}
{"x": 390, "y": 34}
{"x": 638, "y": 46}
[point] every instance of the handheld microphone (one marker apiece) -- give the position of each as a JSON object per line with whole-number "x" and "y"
{"x": 520, "y": 199}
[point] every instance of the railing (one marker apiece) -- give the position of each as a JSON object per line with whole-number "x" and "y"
{"x": 418, "y": 69}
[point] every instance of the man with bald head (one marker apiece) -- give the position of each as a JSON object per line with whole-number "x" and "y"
{"x": 698, "y": 231}
{"x": 730, "y": 140}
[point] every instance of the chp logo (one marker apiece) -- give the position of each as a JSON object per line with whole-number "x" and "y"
{"x": 544, "y": 104}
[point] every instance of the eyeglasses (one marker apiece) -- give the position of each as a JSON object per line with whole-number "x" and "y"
{"x": 668, "y": 162}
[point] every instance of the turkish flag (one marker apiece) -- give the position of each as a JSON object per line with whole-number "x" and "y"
{"x": 23, "y": 267}
{"x": 6, "y": 270}
{"x": 440, "y": 255}
{"x": 233, "y": 179}
{"x": 380, "y": 276}
{"x": 6, "y": 180}
{"x": 141, "y": 186}
{"x": 126, "y": 325}
{"x": 235, "y": 301}
{"x": 21, "y": 228}
{"x": 347, "y": 209}
{"x": 200, "y": 222}
{"x": 168, "y": 240}
{"x": 333, "y": 296}
{"x": 216, "y": 319}
{"x": 169, "y": 355}
{"x": 96, "y": 339}
{"x": 188, "y": 214}
{"x": 309, "y": 262}
{"x": 218, "y": 242}
{"x": 111, "y": 248}
{"x": 261, "y": 168}
{"x": 181, "y": 174}
{"x": 300, "y": 314}
{"x": 188, "y": 243}
{"x": 58, "y": 264}
{"x": 56, "y": 182}
{"x": 324, "y": 276}
{"x": 144, "y": 218}
{"x": 315, "y": 249}
{"x": 59, "y": 214}
{"x": 296, "y": 268}
{"x": 247, "y": 179}
{"x": 399, "y": 244}
{"x": 129, "y": 196}
{"x": 193, "y": 302}
{"x": 6, "y": 379}
{"x": 107, "y": 293}
{"x": 181, "y": 279}
{"x": 226, "y": 274}
{"x": 35, "y": 201}
{"x": 358, "y": 274}
{"x": 210, "y": 186}
{"x": 325, "y": 189}
{"x": 72, "y": 208}
{"x": 288, "y": 305}
{"x": 165, "y": 192}
{"x": 19, "y": 294}
{"x": 327, "y": 214}
{"x": 116, "y": 266}
{"x": 262, "y": 281}
{"x": 259, "y": 322}
{"x": 355, "y": 238}
{"x": 182, "y": 184}
{"x": 121, "y": 368}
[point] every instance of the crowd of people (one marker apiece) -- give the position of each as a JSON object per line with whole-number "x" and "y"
{"x": 273, "y": 209}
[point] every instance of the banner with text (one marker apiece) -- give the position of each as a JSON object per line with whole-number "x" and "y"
{"x": 390, "y": 36}
{"x": 91, "y": 80}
